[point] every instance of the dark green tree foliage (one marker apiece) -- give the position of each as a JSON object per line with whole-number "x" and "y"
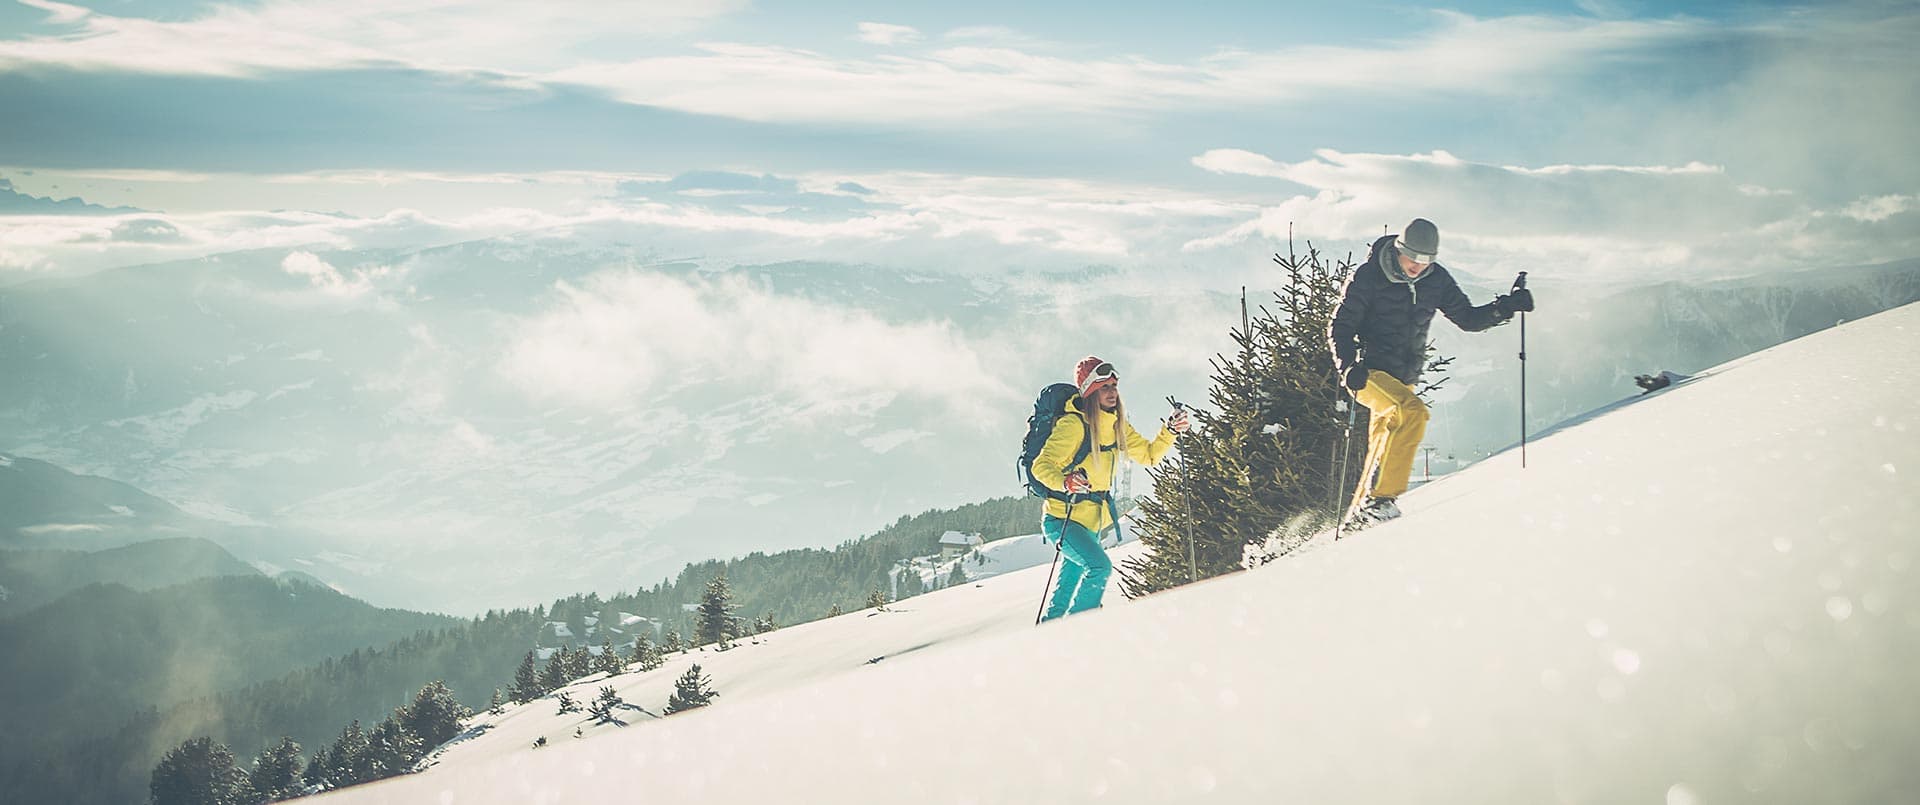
{"x": 579, "y": 663}
{"x": 608, "y": 660}
{"x": 527, "y": 682}
{"x": 105, "y": 755}
{"x": 605, "y": 705}
{"x": 958, "y": 576}
{"x": 434, "y": 716}
{"x": 836, "y": 611}
{"x": 908, "y": 583}
{"x": 347, "y": 758}
{"x": 877, "y": 599}
{"x": 115, "y": 764}
{"x": 391, "y": 750}
{"x": 496, "y": 705}
{"x": 567, "y": 704}
{"x": 692, "y": 689}
{"x": 1263, "y": 453}
{"x": 319, "y": 769}
{"x": 276, "y": 772}
{"x": 672, "y": 643}
{"x": 717, "y": 623}
{"x": 557, "y": 672}
{"x": 645, "y": 653}
{"x": 200, "y": 772}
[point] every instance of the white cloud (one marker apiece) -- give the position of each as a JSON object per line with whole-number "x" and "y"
{"x": 331, "y": 281}
{"x": 1610, "y": 220}
{"x": 240, "y": 40}
{"x": 880, "y": 33}
{"x": 1878, "y": 208}
{"x": 985, "y": 84}
{"x": 612, "y": 340}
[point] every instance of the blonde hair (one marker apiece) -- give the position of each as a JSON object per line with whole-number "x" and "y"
{"x": 1088, "y": 411}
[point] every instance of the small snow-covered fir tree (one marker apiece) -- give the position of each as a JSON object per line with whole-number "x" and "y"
{"x": 199, "y": 772}
{"x": 609, "y": 660}
{"x": 527, "y": 684}
{"x": 555, "y": 675}
{"x": 496, "y": 705}
{"x": 434, "y": 715}
{"x": 605, "y": 704}
{"x": 877, "y": 599}
{"x": 715, "y": 621}
{"x": 645, "y": 653}
{"x": 276, "y": 772}
{"x": 1262, "y": 455}
{"x": 672, "y": 643}
{"x": 835, "y": 611}
{"x": 567, "y": 704}
{"x": 693, "y": 689}
{"x": 348, "y": 757}
{"x": 958, "y": 576}
{"x": 392, "y": 748}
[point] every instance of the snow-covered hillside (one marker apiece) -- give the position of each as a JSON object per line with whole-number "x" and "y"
{"x": 1706, "y": 596}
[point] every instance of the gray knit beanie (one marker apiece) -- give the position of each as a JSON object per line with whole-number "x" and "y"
{"x": 1421, "y": 237}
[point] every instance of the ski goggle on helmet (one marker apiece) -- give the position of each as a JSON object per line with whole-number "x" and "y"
{"x": 1102, "y": 375}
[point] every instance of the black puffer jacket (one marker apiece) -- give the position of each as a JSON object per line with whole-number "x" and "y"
{"x": 1383, "y": 323}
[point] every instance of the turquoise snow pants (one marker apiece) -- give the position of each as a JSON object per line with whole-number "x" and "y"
{"x": 1083, "y": 576}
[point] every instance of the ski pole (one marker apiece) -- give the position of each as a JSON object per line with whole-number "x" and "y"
{"x": 1346, "y": 451}
{"x": 1520, "y": 284}
{"x": 1056, "y": 558}
{"x": 1186, "y": 480}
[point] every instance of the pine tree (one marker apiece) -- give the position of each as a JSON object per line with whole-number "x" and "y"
{"x": 836, "y": 611}
{"x": 877, "y": 599}
{"x": 605, "y": 704}
{"x": 496, "y": 705}
{"x": 579, "y": 663}
{"x": 715, "y": 622}
{"x": 527, "y": 684}
{"x": 958, "y": 576}
{"x": 199, "y": 772}
{"x": 693, "y": 689}
{"x": 554, "y": 676}
{"x": 434, "y": 716}
{"x": 567, "y": 704}
{"x": 319, "y": 768}
{"x": 392, "y": 748}
{"x": 1261, "y": 458}
{"x": 609, "y": 660}
{"x": 347, "y": 760}
{"x": 645, "y": 653}
{"x": 276, "y": 772}
{"x": 673, "y": 643}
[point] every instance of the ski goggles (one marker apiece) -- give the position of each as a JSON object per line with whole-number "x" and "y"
{"x": 1102, "y": 374}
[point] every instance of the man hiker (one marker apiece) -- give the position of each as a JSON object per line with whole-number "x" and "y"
{"x": 1379, "y": 340}
{"x": 1080, "y": 505}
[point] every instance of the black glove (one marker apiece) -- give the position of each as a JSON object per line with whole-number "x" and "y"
{"x": 1356, "y": 378}
{"x": 1520, "y": 301}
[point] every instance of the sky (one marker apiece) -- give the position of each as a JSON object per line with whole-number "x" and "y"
{"x": 1609, "y": 140}
{"x": 1641, "y": 637}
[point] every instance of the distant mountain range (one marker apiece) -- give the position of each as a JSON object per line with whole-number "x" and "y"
{"x": 355, "y": 415}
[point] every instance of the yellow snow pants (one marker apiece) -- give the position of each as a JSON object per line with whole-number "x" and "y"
{"x": 1394, "y": 431}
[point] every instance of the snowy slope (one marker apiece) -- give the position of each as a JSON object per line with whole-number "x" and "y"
{"x": 1706, "y": 596}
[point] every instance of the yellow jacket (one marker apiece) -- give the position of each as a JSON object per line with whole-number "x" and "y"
{"x": 1069, "y": 431}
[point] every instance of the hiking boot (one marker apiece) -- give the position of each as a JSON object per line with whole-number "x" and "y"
{"x": 1378, "y": 510}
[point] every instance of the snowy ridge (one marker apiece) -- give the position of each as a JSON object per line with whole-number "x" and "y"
{"x": 1707, "y": 596}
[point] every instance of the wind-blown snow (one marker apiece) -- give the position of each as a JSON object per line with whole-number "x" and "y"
{"x": 1705, "y": 596}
